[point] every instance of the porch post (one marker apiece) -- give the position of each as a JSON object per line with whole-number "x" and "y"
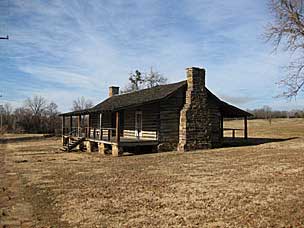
{"x": 222, "y": 126}
{"x": 79, "y": 125}
{"x": 245, "y": 128}
{"x": 117, "y": 128}
{"x": 90, "y": 124}
{"x": 100, "y": 126}
{"x": 100, "y": 120}
{"x": 63, "y": 131}
{"x": 63, "y": 125}
{"x": 71, "y": 123}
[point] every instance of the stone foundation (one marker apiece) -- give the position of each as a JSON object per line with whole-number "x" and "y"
{"x": 164, "y": 147}
{"x": 101, "y": 148}
{"x": 89, "y": 146}
{"x": 116, "y": 151}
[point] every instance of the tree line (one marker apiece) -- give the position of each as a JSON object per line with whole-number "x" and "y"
{"x": 36, "y": 115}
{"x": 267, "y": 113}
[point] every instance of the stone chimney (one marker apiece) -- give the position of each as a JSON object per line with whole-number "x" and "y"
{"x": 195, "y": 79}
{"x": 113, "y": 90}
{"x": 194, "y": 128}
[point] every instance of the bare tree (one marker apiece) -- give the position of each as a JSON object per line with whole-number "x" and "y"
{"x": 8, "y": 109}
{"x": 267, "y": 113}
{"x": 154, "y": 78}
{"x": 7, "y": 118}
{"x": 287, "y": 29}
{"x": 36, "y": 105}
{"x": 37, "y": 116}
{"x": 51, "y": 109}
{"x": 81, "y": 103}
{"x": 135, "y": 82}
{"x": 138, "y": 80}
{"x": 24, "y": 121}
{"x": 35, "y": 108}
{"x": 52, "y": 119}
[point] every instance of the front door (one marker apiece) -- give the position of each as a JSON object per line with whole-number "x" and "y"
{"x": 138, "y": 124}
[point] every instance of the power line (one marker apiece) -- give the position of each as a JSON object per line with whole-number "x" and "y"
{"x": 6, "y": 37}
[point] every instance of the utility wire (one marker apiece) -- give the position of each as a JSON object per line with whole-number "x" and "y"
{"x": 5, "y": 23}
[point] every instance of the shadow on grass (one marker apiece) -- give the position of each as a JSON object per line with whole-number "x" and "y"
{"x": 139, "y": 150}
{"x": 227, "y": 142}
{"x": 236, "y": 142}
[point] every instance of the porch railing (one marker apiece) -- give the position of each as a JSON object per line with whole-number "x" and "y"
{"x": 233, "y": 130}
{"x": 109, "y": 134}
{"x": 74, "y": 131}
{"x": 100, "y": 133}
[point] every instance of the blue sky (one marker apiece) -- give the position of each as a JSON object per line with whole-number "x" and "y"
{"x": 63, "y": 49}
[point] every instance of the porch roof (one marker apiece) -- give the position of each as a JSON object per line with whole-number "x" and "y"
{"x": 137, "y": 98}
{"x": 228, "y": 110}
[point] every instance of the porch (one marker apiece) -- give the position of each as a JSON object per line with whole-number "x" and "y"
{"x": 109, "y": 136}
{"x": 107, "y": 129}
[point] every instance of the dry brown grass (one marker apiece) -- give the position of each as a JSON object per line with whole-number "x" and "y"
{"x": 15, "y": 136}
{"x": 249, "y": 186}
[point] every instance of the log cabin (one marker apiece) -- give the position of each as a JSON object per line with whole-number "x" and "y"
{"x": 180, "y": 116}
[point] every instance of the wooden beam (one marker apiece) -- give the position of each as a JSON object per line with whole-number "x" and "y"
{"x": 245, "y": 128}
{"x": 100, "y": 120}
{"x": 222, "y": 126}
{"x": 90, "y": 121}
{"x": 63, "y": 125}
{"x": 90, "y": 124}
{"x": 109, "y": 135}
{"x": 71, "y": 123}
{"x": 100, "y": 126}
{"x": 79, "y": 125}
{"x": 117, "y": 129}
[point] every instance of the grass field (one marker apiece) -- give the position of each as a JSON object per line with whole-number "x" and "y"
{"x": 15, "y": 136}
{"x": 246, "y": 186}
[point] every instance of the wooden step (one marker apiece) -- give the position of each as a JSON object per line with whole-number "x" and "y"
{"x": 73, "y": 143}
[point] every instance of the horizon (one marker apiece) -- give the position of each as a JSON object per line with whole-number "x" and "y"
{"x": 63, "y": 50}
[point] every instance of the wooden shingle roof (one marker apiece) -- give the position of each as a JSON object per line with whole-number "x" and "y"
{"x": 135, "y": 98}
{"x": 144, "y": 96}
{"x": 139, "y": 97}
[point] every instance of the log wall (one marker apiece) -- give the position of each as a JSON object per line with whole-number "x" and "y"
{"x": 107, "y": 120}
{"x": 169, "y": 116}
{"x": 214, "y": 116}
{"x": 150, "y": 117}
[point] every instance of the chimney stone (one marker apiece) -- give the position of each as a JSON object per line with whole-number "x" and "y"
{"x": 195, "y": 78}
{"x": 194, "y": 128}
{"x": 113, "y": 90}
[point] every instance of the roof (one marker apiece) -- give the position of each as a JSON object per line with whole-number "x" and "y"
{"x": 144, "y": 96}
{"x": 135, "y": 98}
{"x": 228, "y": 110}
